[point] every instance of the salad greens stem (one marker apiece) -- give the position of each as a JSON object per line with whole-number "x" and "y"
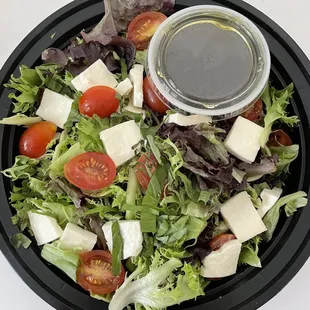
{"x": 117, "y": 248}
{"x": 131, "y": 193}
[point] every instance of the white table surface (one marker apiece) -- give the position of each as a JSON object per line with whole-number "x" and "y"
{"x": 19, "y": 17}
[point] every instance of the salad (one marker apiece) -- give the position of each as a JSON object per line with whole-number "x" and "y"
{"x": 139, "y": 204}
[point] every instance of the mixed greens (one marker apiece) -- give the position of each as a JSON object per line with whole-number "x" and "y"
{"x": 162, "y": 197}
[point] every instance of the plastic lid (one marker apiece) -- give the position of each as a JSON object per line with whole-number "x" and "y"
{"x": 221, "y": 103}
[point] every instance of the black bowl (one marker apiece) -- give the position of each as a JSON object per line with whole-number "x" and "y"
{"x": 281, "y": 258}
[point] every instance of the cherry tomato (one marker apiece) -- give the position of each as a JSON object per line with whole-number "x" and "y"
{"x": 151, "y": 99}
{"x": 100, "y": 100}
{"x": 90, "y": 171}
{"x": 279, "y": 138}
{"x": 216, "y": 243}
{"x": 255, "y": 112}
{"x": 145, "y": 168}
{"x": 94, "y": 273}
{"x": 35, "y": 139}
{"x": 143, "y": 27}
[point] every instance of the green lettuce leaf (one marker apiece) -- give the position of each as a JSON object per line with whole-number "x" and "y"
{"x": 117, "y": 251}
{"x": 63, "y": 213}
{"x": 276, "y": 104}
{"x": 88, "y": 130}
{"x": 32, "y": 80}
{"x": 159, "y": 288}
{"x": 175, "y": 230}
{"x": 152, "y": 199}
{"x": 57, "y": 166}
{"x": 173, "y": 154}
{"x": 141, "y": 57}
{"x": 290, "y": 203}
{"x": 131, "y": 193}
{"x": 154, "y": 149}
{"x": 24, "y": 167}
{"x": 74, "y": 116}
{"x": 66, "y": 261}
{"x": 19, "y": 240}
{"x": 20, "y": 120}
{"x": 287, "y": 154}
{"x": 249, "y": 253}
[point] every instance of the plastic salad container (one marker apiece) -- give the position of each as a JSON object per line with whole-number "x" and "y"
{"x": 281, "y": 259}
{"x": 202, "y": 42}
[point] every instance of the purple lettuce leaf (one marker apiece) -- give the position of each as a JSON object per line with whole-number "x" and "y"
{"x": 267, "y": 165}
{"x": 204, "y": 154}
{"x": 77, "y": 58}
{"x": 94, "y": 224}
{"x": 105, "y": 30}
{"x": 61, "y": 185}
{"x": 118, "y": 15}
{"x": 55, "y": 55}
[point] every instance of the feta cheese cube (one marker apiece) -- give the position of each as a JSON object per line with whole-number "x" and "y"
{"x": 223, "y": 262}
{"x": 131, "y": 234}
{"x": 269, "y": 198}
{"x": 96, "y": 75}
{"x": 55, "y": 108}
{"x": 77, "y": 237}
{"x": 190, "y": 120}
{"x": 45, "y": 228}
{"x": 120, "y": 140}
{"x": 243, "y": 140}
{"x": 242, "y": 218}
{"x": 136, "y": 77}
{"x": 124, "y": 88}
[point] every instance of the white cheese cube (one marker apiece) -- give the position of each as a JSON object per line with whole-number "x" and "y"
{"x": 45, "y": 228}
{"x": 243, "y": 140}
{"x": 131, "y": 234}
{"x": 96, "y": 75}
{"x": 223, "y": 262}
{"x": 75, "y": 237}
{"x": 136, "y": 77}
{"x": 242, "y": 218}
{"x": 120, "y": 140}
{"x": 124, "y": 88}
{"x": 269, "y": 198}
{"x": 55, "y": 108}
{"x": 190, "y": 120}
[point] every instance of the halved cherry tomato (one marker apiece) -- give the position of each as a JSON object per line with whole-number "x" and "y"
{"x": 145, "y": 168}
{"x": 143, "y": 27}
{"x": 35, "y": 139}
{"x": 255, "y": 112}
{"x": 216, "y": 243}
{"x": 90, "y": 171}
{"x": 94, "y": 273}
{"x": 279, "y": 138}
{"x": 100, "y": 100}
{"x": 151, "y": 99}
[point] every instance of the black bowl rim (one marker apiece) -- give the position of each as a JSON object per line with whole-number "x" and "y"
{"x": 271, "y": 283}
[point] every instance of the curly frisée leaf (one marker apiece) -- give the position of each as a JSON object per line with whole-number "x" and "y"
{"x": 24, "y": 167}
{"x": 290, "y": 203}
{"x": 276, "y": 104}
{"x": 155, "y": 289}
{"x": 287, "y": 154}
{"x": 249, "y": 253}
